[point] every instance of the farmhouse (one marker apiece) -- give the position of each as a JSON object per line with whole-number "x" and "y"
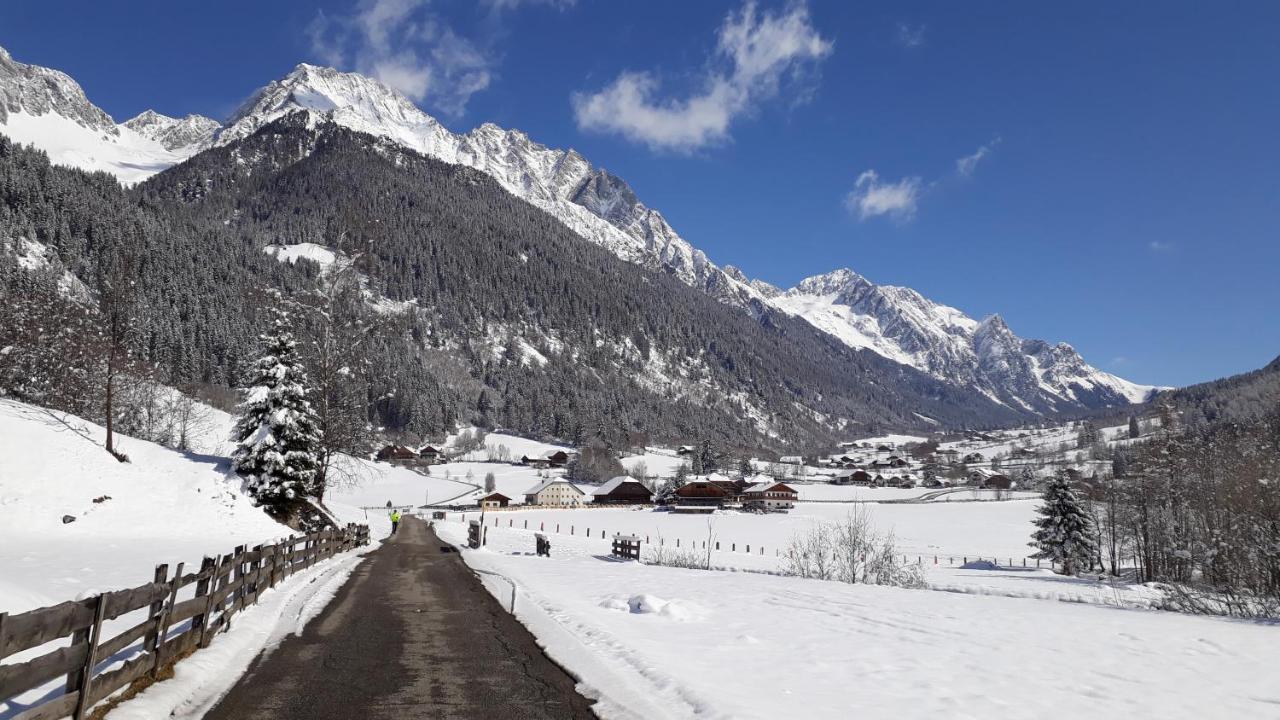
{"x": 396, "y": 452}
{"x": 770, "y": 495}
{"x": 494, "y": 500}
{"x": 852, "y": 477}
{"x": 431, "y": 454}
{"x": 685, "y": 450}
{"x": 700, "y": 496}
{"x": 552, "y": 459}
{"x": 791, "y": 460}
{"x": 554, "y": 492}
{"x": 989, "y": 479}
{"x": 622, "y": 490}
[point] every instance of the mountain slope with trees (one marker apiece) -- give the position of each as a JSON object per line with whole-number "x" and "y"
{"x": 482, "y": 308}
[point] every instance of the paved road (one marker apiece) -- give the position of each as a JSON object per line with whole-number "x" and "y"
{"x": 411, "y": 635}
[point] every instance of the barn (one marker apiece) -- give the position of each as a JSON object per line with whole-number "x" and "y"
{"x": 622, "y": 490}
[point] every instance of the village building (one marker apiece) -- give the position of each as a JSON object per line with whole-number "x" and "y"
{"x": 699, "y": 496}
{"x": 791, "y": 460}
{"x": 987, "y": 479}
{"x": 770, "y": 495}
{"x": 431, "y": 455}
{"x": 494, "y": 501}
{"x": 396, "y": 452}
{"x": 554, "y": 492}
{"x": 685, "y": 450}
{"x": 972, "y": 458}
{"x": 852, "y": 477}
{"x": 552, "y": 459}
{"x": 622, "y": 490}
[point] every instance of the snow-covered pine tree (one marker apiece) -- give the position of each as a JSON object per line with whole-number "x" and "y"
{"x": 1064, "y": 531}
{"x": 276, "y": 434}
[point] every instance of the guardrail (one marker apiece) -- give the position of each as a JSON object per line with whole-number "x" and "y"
{"x": 223, "y": 586}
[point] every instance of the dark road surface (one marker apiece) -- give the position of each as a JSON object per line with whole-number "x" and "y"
{"x": 412, "y": 634}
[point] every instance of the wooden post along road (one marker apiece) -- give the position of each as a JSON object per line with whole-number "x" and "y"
{"x": 412, "y": 634}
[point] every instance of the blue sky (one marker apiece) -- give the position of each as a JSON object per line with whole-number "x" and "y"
{"x": 1122, "y": 191}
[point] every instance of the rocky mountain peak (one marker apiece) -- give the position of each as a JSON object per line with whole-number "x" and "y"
{"x": 36, "y": 90}
{"x": 833, "y": 283}
{"x": 194, "y": 132}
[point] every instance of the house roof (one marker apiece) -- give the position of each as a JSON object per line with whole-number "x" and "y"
{"x": 770, "y": 485}
{"x": 615, "y": 483}
{"x": 548, "y": 483}
{"x": 495, "y": 496}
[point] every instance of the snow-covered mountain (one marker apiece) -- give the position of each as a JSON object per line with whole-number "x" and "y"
{"x": 903, "y": 325}
{"x": 48, "y": 109}
{"x": 592, "y": 202}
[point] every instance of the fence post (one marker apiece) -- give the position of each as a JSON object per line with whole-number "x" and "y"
{"x": 162, "y": 623}
{"x": 162, "y": 575}
{"x": 202, "y": 590}
{"x": 85, "y": 677}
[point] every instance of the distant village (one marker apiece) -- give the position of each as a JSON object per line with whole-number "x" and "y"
{"x": 999, "y": 462}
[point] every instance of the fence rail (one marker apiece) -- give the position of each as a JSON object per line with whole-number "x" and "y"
{"x": 172, "y": 629}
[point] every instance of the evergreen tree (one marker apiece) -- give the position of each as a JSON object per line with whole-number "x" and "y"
{"x": 705, "y": 461}
{"x": 745, "y": 468}
{"x": 276, "y": 434}
{"x": 1064, "y": 530}
{"x": 1134, "y": 431}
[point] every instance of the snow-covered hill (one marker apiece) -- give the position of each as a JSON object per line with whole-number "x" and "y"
{"x": 46, "y": 108}
{"x": 903, "y": 325}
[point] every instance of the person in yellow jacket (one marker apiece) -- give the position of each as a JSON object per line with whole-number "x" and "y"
{"x": 395, "y": 521}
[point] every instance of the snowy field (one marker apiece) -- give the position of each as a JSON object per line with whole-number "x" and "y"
{"x": 973, "y": 529}
{"x": 654, "y": 642}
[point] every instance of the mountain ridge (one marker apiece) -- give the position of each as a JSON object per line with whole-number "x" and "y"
{"x": 896, "y": 322}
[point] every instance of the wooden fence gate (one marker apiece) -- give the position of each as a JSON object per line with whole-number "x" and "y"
{"x": 626, "y": 546}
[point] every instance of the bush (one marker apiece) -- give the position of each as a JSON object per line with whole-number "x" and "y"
{"x": 850, "y": 551}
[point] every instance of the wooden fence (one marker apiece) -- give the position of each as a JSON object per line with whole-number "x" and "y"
{"x": 171, "y": 630}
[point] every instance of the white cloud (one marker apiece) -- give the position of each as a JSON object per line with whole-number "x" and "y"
{"x": 1158, "y": 246}
{"x": 967, "y": 164}
{"x": 910, "y": 36}
{"x": 402, "y": 44}
{"x": 756, "y": 53}
{"x": 502, "y": 5}
{"x": 871, "y": 197}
